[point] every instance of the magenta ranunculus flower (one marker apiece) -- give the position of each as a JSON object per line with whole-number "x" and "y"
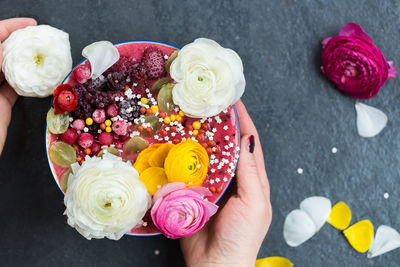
{"x": 354, "y": 63}
{"x": 180, "y": 211}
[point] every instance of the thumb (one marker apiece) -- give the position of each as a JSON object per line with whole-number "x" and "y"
{"x": 248, "y": 181}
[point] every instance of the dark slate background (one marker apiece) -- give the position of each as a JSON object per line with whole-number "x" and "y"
{"x": 299, "y": 114}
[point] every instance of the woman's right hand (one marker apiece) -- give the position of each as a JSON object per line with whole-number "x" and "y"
{"x": 234, "y": 235}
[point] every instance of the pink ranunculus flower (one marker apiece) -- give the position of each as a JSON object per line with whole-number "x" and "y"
{"x": 354, "y": 63}
{"x": 180, "y": 211}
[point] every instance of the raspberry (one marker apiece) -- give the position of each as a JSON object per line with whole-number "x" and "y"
{"x": 99, "y": 115}
{"x": 120, "y": 127}
{"x": 112, "y": 110}
{"x": 96, "y": 147}
{"x": 106, "y": 139}
{"x": 138, "y": 75}
{"x": 85, "y": 140}
{"x": 81, "y": 73}
{"x": 69, "y": 136}
{"x": 78, "y": 124}
{"x": 153, "y": 61}
{"x": 119, "y": 144}
{"x": 122, "y": 65}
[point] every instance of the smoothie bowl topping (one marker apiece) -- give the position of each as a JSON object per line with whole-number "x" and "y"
{"x": 121, "y": 112}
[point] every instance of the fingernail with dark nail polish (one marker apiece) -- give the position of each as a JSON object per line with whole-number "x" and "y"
{"x": 250, "y": 144}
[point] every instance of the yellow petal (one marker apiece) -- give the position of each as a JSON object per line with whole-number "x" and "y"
{"x": 142, "y": 161}
{"x": 273, "y": 262}
{"x": 360, "y": 235}
{"x": 153, "y": 178}
{"x": 157, "y": 158}
{"x": 340, "y": 216}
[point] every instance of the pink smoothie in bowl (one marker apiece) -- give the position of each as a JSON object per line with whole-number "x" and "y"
{"x": 220, "y": 135}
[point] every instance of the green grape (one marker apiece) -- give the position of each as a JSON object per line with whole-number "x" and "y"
{"x": 155, "y": 125}
{"x": 64, "y": 180}
{"x": 57, "y": 123}
{"x": 157, "y": 85}
{"x": 164, "y": 98}
{"x": 62, "y": 154}
{"x": 111, "y": 150}
{"x": 170, "y": 59}
{"x": 135, "y": 145}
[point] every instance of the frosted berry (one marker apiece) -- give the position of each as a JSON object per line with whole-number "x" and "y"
{"x": 120, "y": 127}
{"x": 81, "y": 73}
{"x": 96, "y": 147}
{"x": 85, "y": 140}
{"x": 112, "y": 110}
{"x": 78, "y": 124}
{"x": 153, "y": 61}
{"x": 69, "y": 136}
{"x": 106, "y": 139}
{"x": 99, "y": 115}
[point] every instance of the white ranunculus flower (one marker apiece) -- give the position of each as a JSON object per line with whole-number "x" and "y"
{"x": 209, "y": 78}
{"x": 36, "y": 59}
{"x": 105, "y": 197}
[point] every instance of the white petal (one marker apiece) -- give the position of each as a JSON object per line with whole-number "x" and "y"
{"x": 386, "y": 239}
{"x": 298, "y": 228}
{"x": 318, "y": 208}
{"x": 101, "y": 56}
{"x": 370, "y": 120}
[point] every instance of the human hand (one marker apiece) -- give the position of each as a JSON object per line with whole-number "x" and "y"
{"x": 7, "y": 94}
{"x": 234, "y": 235}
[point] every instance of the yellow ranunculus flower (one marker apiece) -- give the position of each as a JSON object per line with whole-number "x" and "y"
{"x": 187, "y": 162}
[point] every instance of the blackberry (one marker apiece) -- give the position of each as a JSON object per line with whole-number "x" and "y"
{"x": 93, "y": 129}
{"x": 117, "y": 81}
{"x": 83, "y": 110}
{"x": 129, "y": 109}
{"x": 102, "y": 99}
{"x": 96, "y": 85}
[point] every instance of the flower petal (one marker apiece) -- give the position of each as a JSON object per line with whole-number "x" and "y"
{"x": 360, "y": 235}
{"x": 353, "y": 28}
{"x": 166, "y": 189}
{"x": 340, "y": 216}
{"x": 101, "y": 56}
{"x": 392, "y": 70}
{"x": 298, "y": 228}
{"x": 318, "y": 208}
{"x": 370, "y": 120}
{"x": 273, "y": 262}
{"x": 386, "y": 239}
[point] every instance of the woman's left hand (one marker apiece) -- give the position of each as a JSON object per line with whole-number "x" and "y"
{"x": 7, "y": 94}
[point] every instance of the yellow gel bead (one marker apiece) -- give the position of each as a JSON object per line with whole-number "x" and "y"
{"x": 107, "y": 123}
{"x": 167, "y": 120}
{"x": 340, "y": 216}
{"x": 178, "y": 118}
{"x": 89, "y": 121}
{"x": 108, "y": 129}
{"x": 173, "y": 117}
{"x": 154, "y": 109}
{"x": 360, "y": 235}
{"x": 181, "y": 113}
{"x": 196, "y": 125}
{"x": 195, "y": 132}
{"x": 144, "y": 100}
{"x": 273, "y": 262}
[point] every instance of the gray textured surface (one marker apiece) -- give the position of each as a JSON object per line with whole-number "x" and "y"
{"x": 299, "y": 114}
